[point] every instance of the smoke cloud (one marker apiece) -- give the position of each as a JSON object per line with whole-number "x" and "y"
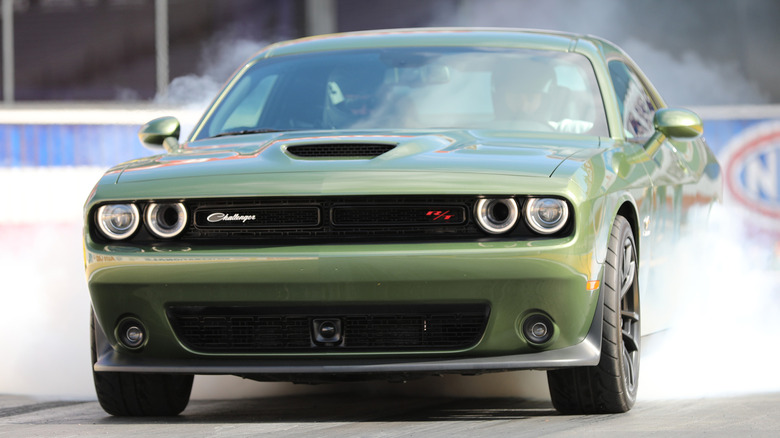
{"x": 681, "y": 75}
{"x": 688, "y": 79}
{"x": 220, "y": 57}
{"x": 722, "y": 341}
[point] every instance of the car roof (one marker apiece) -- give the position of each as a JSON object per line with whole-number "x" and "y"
{"x": 475, "y": 37}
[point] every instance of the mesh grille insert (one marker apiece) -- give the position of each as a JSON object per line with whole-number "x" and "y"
{"x": 364, "y": 328}
{"x": 332, "y": 219}
{"x": 345, "y": 150}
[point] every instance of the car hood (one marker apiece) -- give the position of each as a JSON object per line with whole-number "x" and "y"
{"x": 508, "y": 153}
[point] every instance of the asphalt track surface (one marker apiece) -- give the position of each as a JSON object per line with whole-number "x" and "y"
{"x": 346, "y": 415}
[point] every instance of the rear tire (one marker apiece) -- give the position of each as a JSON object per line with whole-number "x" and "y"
{"x": 139, "y": 394}
{"x": 611, "y": 386}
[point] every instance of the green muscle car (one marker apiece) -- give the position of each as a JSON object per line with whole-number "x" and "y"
{"x": 395, "y": 204}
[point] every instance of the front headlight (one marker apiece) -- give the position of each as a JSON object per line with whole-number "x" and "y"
{"x": 118, "y": 221}
{"x": 496, "y": 216}
{"x": 546, "y": 215}
{"x": 166, "y": 220}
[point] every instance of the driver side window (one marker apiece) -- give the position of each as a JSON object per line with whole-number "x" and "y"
{"x": 637, "y": 109}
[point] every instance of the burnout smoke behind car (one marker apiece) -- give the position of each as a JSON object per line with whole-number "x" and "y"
{"x": 720, "y": 82}
{"x": 727, "y": 278}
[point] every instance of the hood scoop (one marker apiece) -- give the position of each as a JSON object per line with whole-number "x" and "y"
{"x": 344, "y": 151}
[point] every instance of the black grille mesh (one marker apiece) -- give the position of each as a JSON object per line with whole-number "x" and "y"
{"x": 346, "y": 150}
{"x": 399, "y": 215}
{"x": 255, "y": 330}
{"x": 342, "y": 219}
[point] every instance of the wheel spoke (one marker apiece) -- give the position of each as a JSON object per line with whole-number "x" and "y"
{"x": 627, "y": 258}
{"x": 629, "y": 339}
{"x": 628, "y": 368}
{"x": 629, "y": 316}
{"x": 628, "y": 268}
{"x": 628, "y": 281}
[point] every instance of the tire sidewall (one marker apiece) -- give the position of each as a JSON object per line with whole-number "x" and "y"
{"x": 612, "y": 318}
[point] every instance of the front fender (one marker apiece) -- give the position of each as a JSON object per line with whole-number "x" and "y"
{"x": 611, "y": 181}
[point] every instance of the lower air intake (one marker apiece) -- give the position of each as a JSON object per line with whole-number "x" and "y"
{"x": 242, "y": 329}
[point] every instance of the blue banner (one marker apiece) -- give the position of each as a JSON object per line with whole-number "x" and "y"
{"x": 28, "y": 145}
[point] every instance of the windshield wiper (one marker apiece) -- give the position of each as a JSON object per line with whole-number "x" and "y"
{"x": 249, "y": 131}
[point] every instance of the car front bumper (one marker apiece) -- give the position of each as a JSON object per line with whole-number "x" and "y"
{"x": 515, "y": 279}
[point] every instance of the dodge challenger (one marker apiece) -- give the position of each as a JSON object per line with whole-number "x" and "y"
{"x": 397, "y": 204}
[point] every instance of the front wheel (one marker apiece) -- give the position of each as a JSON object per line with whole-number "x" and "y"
{"x": 139, "y": 394}
{"x": 610, "y": 386}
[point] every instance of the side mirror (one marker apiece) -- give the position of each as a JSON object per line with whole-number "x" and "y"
{"x": 161, "y": 133}
{"x": 678, "y": 123}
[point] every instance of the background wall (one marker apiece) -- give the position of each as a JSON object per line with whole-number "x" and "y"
{"x": 105, "y": 49}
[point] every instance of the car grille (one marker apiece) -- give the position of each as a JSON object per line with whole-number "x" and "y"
{"x": 333, "y": 219}
{"x": 385, "y": 328}
{"x": 347, "y": 150}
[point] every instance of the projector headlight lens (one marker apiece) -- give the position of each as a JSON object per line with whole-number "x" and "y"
{"x": 118, "y": 221}
{"x": 546, "y": 215}
{"x": 166, "y": 220}
{"x": 496, "y": 216}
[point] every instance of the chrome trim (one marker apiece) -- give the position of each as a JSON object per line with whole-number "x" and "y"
{"x": 484, "y": 214}
{"x": 151, "y": 219}
{"x": 117, "y": 236}
{"x": 534, "y": 223}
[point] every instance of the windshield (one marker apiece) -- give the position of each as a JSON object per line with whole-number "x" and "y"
{"x": 413, "y": 88}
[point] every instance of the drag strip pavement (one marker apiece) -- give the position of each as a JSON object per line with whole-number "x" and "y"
{"x": 338, "y": 415}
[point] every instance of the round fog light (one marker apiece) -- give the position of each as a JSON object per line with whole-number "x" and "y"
{"x": 134, "y": 336}
{"x": 538, "y": 329}
{"x": 131, "y": 333}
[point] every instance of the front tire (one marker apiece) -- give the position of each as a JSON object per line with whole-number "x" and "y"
{"x": 138, "y": 394}
{"x": 611, "y": 386}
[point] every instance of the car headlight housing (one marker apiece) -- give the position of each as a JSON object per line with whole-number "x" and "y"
{"x": 166, "y": 220}
{"x": 496, "y": 216}
{"x": 118, "y": 221}
{"x": 546, "y": 215}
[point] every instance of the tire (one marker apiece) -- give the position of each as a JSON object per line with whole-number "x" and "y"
{"x": 138, "y": 394}
{"x": 610, "y": 386}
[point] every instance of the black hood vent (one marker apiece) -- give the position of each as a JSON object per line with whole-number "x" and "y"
{"x": 339, "y": 150}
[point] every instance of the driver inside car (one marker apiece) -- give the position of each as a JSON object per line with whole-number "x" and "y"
{"x": 352, "y": 96}
{"x": 526, "y": 96}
